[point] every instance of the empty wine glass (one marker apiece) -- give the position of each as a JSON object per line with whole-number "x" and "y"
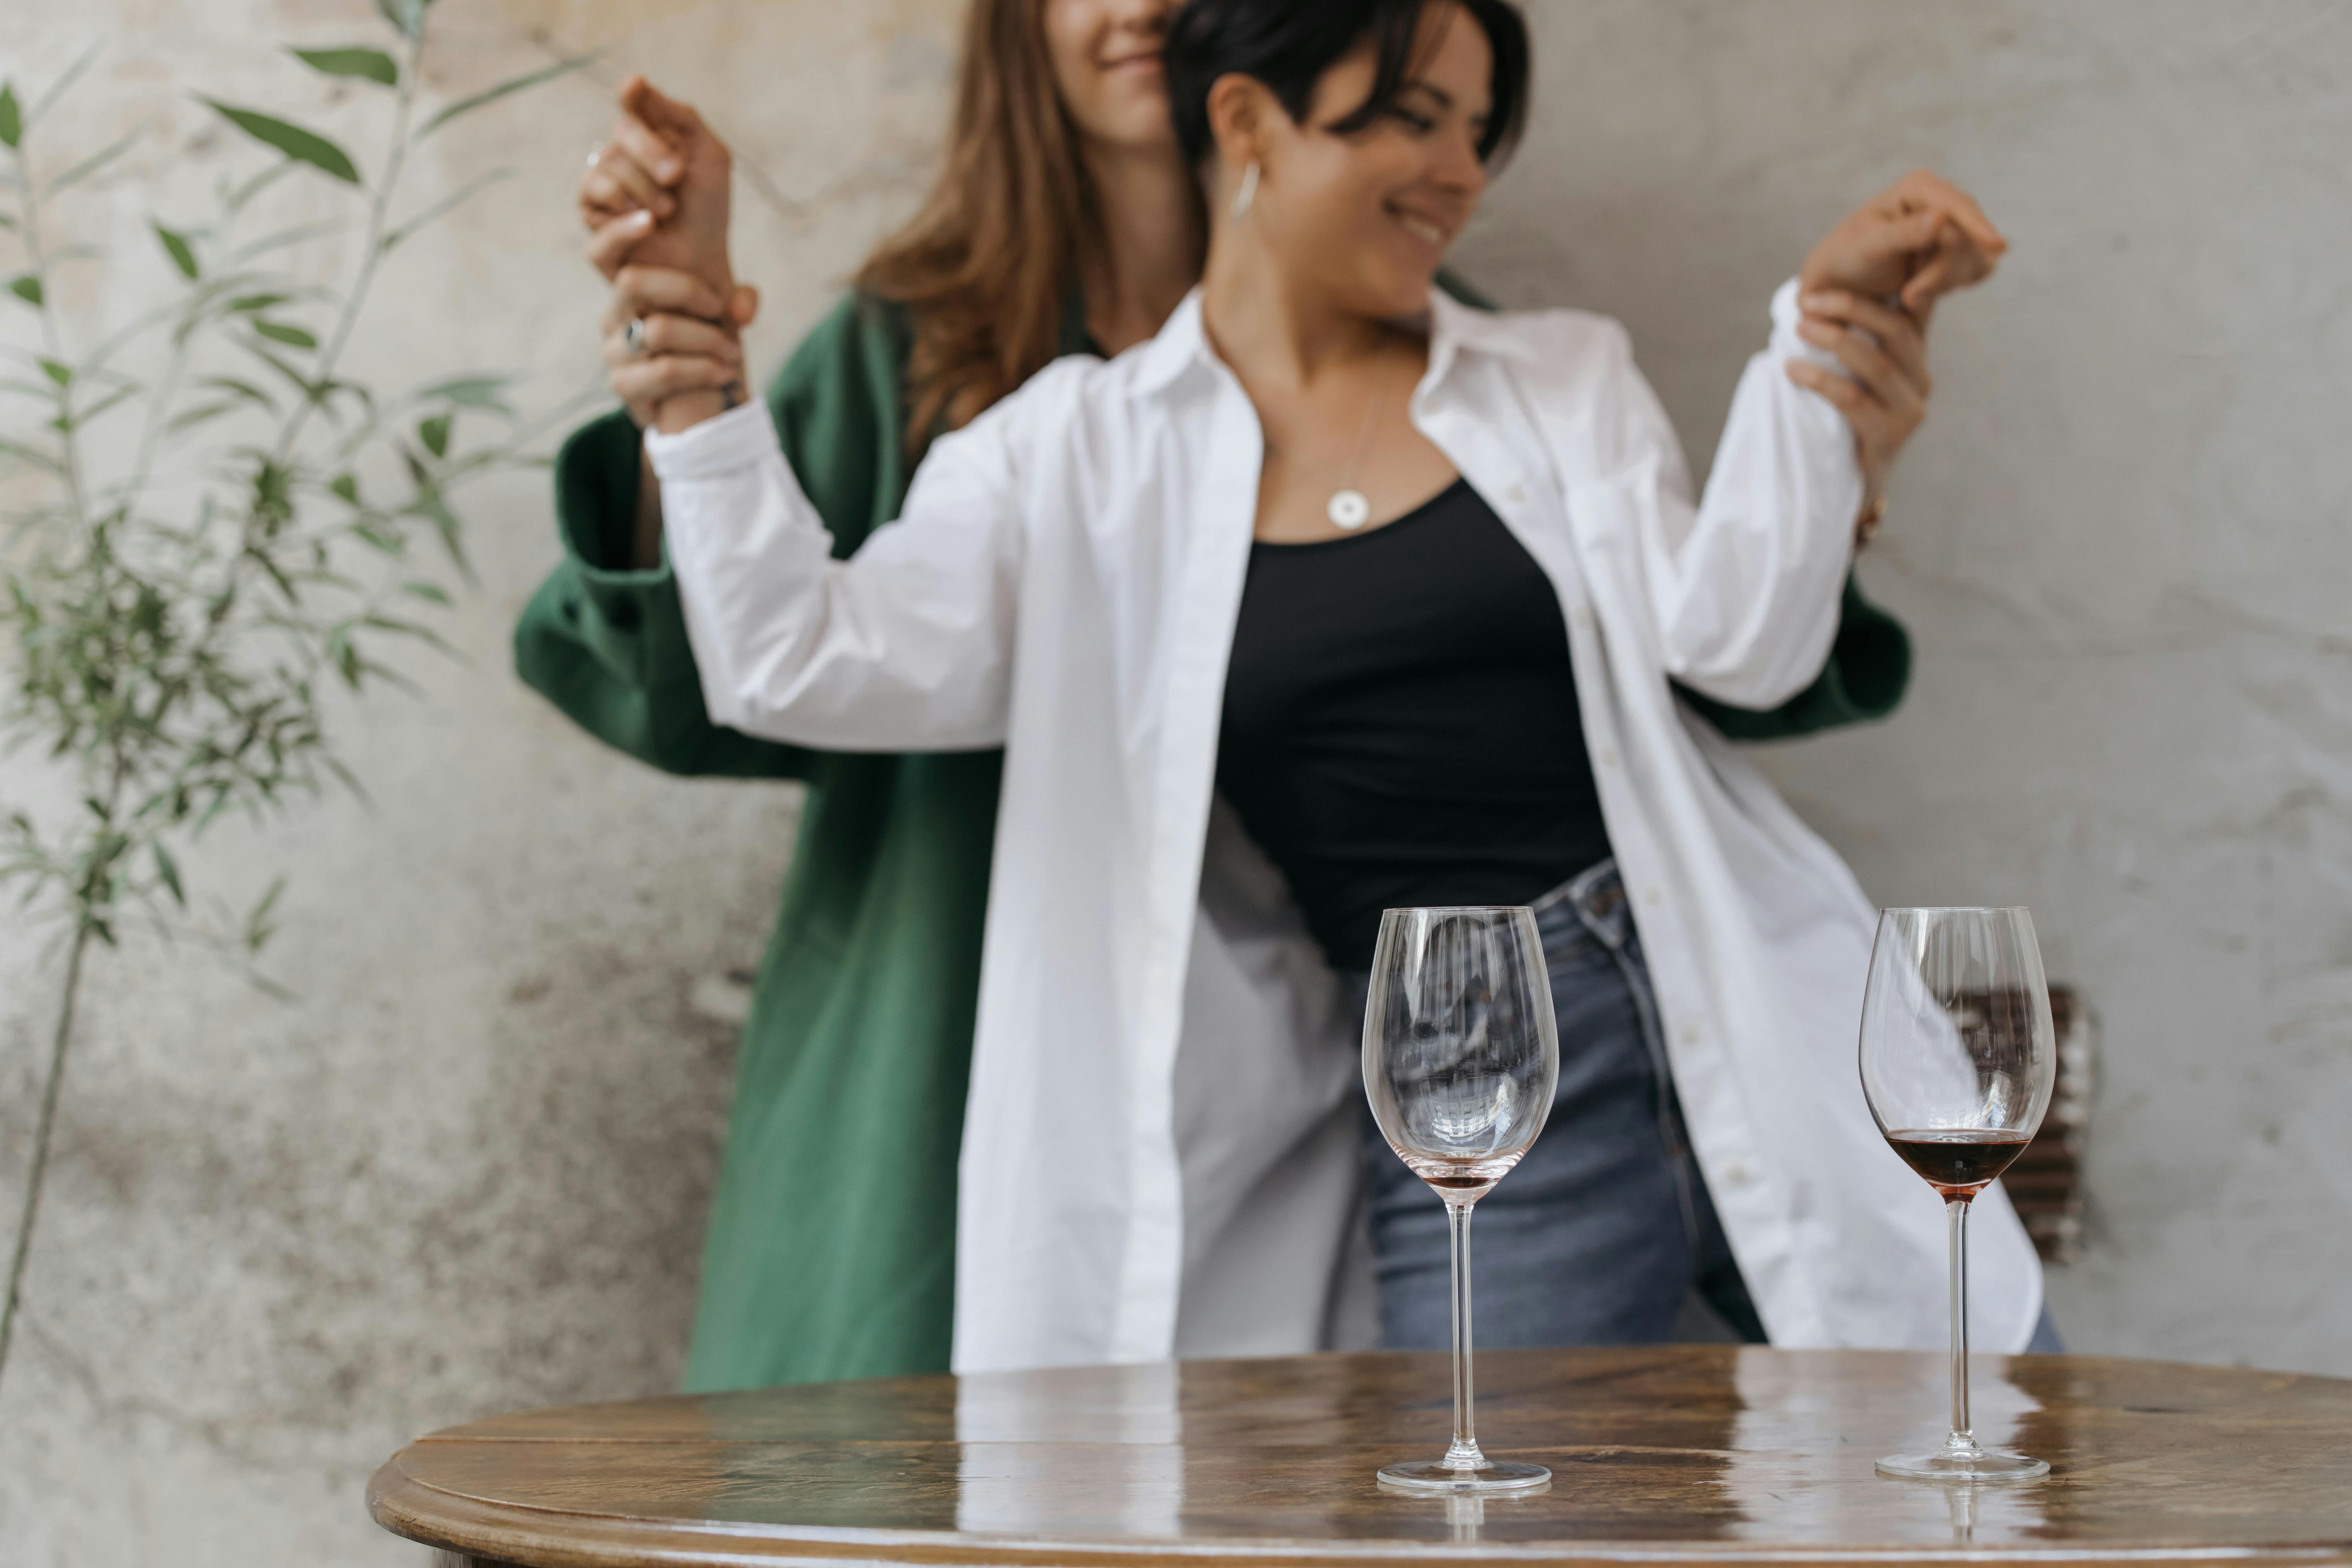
{"x": 1461, "y": 1058}
{"x": 1958, "y": 1059}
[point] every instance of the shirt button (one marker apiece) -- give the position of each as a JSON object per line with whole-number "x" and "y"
{"x": 1583, "y": 617}
{"x": 1608, "y": 756}
{"x": 1515, "y": 493}
{"x": 1690, "y": 1035}
{"x": 1735, "y": 1174}
{"x": 1653, "y": 897}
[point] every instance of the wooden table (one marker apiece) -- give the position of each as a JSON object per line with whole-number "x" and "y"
{"x": 1681, "y": 1454}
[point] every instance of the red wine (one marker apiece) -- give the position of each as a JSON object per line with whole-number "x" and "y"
{"x": 1959, "y": 1161}
{"x": 1470, "y": 1176}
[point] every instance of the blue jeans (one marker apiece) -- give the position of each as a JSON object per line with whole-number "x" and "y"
{"x": 1604, "y": 1228}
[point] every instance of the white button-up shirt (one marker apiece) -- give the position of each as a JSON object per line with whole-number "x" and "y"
{"x": 1159, "y": 1151}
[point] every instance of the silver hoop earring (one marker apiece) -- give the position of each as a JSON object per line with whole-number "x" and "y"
{"x": 1247, "y": 195}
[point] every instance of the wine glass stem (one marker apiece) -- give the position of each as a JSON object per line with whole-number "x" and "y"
{"x": 1957, "y": 1209}
{"x": 1463, "y": 1455}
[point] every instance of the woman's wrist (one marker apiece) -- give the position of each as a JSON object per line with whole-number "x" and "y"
{"x": 684, "y": 410}
{"x": 1873, "y": 512}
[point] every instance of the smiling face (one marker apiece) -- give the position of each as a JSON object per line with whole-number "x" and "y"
{"x": 1364, "y": 218}
{"x": 1107, "y": 64}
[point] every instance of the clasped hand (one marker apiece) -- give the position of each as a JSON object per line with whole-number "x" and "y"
{"x": 655, "y": 201}
{"x": 1867, "y": 292}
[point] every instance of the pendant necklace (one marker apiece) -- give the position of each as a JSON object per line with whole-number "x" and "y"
{"x": 1348, "y": 509}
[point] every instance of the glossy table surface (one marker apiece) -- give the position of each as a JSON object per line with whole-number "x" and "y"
{"x": 1687, "y": 1453}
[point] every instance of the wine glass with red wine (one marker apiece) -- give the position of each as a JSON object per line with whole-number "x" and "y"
{"x": 1461, "y": 1058}
{"x": 1957, "y": 1060}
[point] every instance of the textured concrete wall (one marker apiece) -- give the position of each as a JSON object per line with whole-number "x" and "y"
{"x": 2121, "y": 545}
{"x": 465, "y": 1168}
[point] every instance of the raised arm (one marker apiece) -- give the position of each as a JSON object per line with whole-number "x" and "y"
{"x": 1746, "y": 587}
{"x": 1743, "y": 584}
{"x": 904, "y": 646}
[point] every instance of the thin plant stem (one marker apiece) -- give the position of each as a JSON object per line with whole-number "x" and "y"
{"x": 1957, "y": 1210}
{"x": 379, "y": 210}
{"x": 41, "y": 1132}
{"x": 1464, "y": 1454}
{"x": 331, "y": 355}
{"x": 51, "y": 337}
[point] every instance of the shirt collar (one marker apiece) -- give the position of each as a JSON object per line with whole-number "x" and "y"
{"x": 1183, "y": 341}
{"x": 1454, "y": 324}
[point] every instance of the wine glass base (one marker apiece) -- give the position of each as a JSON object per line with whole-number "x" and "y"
{"x": 1437, "y": 1476}
{"x": 1973, "y": 1467}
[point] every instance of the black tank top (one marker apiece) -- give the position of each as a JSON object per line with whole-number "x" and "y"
{"x": 1401, "y": 723}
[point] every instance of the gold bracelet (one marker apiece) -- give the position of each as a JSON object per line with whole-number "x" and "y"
{"x": 1865, "y": 527}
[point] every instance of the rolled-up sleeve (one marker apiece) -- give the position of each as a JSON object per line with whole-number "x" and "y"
{"x": 903, "y": 646}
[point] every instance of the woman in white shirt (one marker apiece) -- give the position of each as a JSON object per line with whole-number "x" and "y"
{"x": 1220, "y": 741}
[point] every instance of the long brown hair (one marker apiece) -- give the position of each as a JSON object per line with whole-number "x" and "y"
{"x": 987, "y": 264}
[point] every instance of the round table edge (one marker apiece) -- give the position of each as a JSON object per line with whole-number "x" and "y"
{"x": 492, "y": 1534}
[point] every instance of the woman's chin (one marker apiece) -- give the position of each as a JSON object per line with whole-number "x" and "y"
{"x": 1401, "y": 291}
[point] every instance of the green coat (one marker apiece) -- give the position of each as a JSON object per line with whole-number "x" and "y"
{"x": 831, "y": 1252}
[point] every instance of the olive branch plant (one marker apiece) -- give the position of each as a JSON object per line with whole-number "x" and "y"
{"x": 192, "y": 555}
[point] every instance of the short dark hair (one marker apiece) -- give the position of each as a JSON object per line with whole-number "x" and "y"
{"x": 1289, "y": 44}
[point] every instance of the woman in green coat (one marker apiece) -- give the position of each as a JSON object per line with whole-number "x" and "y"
{"x": 1064, "y": 221}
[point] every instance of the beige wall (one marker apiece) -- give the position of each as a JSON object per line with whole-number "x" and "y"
{"x": 465, "y": 1170}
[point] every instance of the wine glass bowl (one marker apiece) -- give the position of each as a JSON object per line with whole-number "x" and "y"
{"x": 1452, "y": 1064}
{"x": 1461, "y": 1061}
{"x": 1958, "y": 1057}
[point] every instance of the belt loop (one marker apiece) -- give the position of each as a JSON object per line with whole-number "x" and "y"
{"x": 1599, "y": 894}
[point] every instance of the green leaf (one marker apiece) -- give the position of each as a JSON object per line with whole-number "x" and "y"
{"x": 431, "y": 592}
{"x": 512, "y": 84}
{"x": 406, "y": 17}
{"x": 93, "y": 164}
{"x": 304, "y": 146}
{"x": 64, "y": 79}
{"x": 280, "y": 332}
{"x": 423, "y": 634}
{"x": 435, "y": 510}
{"x": 244, "y": 389}
{"x": 176, "y": 246}
{"x": 189, "y": 417}
{"x": 283, "y": 236}
{"x": 343, "y": 655}
{"x": 347, "y": 485}
{"x": 435, "y": 434}
{"x": 32, "y": 455}
{"x": 60, "y": 373}
{"x": 471, "y": 392}
{"x": 82, "y": 416}
{"x": 170, "y": 873}
{"x": 12, "y": 118}
{"x": 234, "y": 201}
{"x": 257, "y": 929}
{"x": 447, "y": 203}
{"x": 250, "y": 303}
{"x": 372, "y": 65}
{"x": 26, "y": 287}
